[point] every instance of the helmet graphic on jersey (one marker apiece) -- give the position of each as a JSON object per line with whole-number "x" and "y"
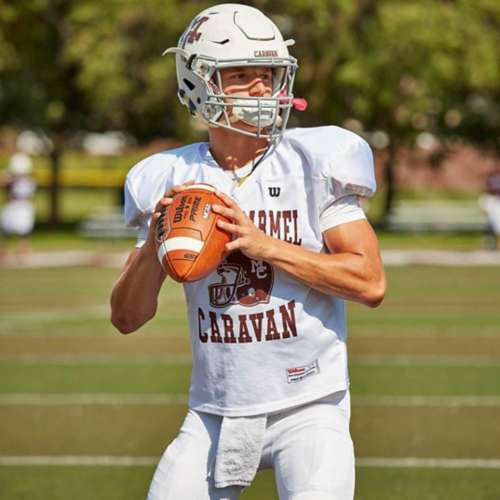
{"x": 226, "y": 36}
{"x": 243, "y": 281}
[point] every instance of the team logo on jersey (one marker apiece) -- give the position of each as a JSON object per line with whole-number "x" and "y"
{"x": 242, "y": 281}
{"x": 274, "y": 191}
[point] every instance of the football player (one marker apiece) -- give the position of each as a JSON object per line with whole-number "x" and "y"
{"x": 490, "y": 203}
{"x": 269, "y": 385}
{"x": 17, "y": 218}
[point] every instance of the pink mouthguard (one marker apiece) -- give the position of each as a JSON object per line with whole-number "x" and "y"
{"x": 299, "y": 103}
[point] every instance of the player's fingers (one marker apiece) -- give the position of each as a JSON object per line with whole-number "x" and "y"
{"x": 230, "y": 228}
{"x": 154, "y": 222}
{"x": 234, "y": 213}
{"x": 225, "y": 211}
{"x": 183, "y": 186}
{"x": 178, "y": 188}
{"x": 226, "y": 199}
{"x": 232, "y": 245}
{"x": 163, "y": 203}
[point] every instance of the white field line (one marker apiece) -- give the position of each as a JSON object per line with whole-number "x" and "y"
{"x": 180, "y": 399}
{"x": 410, "y": 462}
{"x": 441, "y": 463}
{"x": 440, "y": 258}
{"x": 486, "y": 333}
{"x": 390, "y": 258}
{"x": 185, "y": 359}
{"x": 425, "y": 360}
{"x": 54, "y": 315}
{"x": 97, "y": 359}
{"x": 96, "y": 311}
{"x": 40, "y": 316}
{"x": 92, "y": 399}
{"x": 77, "y": 460}
{"x": 427, "y": 401}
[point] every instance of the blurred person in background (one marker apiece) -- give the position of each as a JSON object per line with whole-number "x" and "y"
{"x": 269, "y": 384}
{"x": 17, "y": 217}
{"x": 490, "y": 203}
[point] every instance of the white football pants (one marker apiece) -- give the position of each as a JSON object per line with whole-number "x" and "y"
{"x": 309, "y": 448}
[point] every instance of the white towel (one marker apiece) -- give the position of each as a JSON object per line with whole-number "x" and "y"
{"x": 239, "y": 450}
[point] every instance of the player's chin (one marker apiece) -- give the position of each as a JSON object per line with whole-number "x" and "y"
{"x": 254, "y": 129}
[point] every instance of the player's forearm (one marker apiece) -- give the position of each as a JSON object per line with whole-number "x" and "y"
{"x": 352, "y": 276}
{"x": 134, "y": 298}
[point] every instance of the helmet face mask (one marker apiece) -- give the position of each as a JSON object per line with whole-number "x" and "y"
{"x": 230, "y": 36}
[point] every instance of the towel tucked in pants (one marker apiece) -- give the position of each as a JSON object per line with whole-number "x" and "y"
{"x": 309, "y": 448}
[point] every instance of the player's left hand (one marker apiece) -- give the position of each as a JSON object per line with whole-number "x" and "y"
{"x": 247, "y": 237}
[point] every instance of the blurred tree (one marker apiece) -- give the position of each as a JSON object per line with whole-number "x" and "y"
{"x": 398, "y": 72}
{"x": 68, "y": 65}
{"x": 38, "y": 86}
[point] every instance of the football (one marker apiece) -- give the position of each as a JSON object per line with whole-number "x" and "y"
{"x": 190, "y": 245}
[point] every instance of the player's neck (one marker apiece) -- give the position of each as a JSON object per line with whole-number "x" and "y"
{"x": 232, "y": 150}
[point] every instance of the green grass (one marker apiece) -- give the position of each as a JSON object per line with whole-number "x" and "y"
{"x": 437, "y": 334}
{"x": 160, "y": 377}
{"x": 428, "y": 484}
{"x": 85, "y": 204}
{"x": 76, "y": 204}
{"x": 145, "y": 429}
{"x": 130, "y": 483}
{"x": 430, "y": 241}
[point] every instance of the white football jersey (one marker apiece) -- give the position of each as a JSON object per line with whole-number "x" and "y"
{"x": 263, "y": 341}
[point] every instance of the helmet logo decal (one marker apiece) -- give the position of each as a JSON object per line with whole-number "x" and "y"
{"x": 194, "y": 34}
{"x": 241, "y": 281}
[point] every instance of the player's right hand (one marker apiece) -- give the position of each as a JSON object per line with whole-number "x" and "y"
{"x": 164, "y": 202}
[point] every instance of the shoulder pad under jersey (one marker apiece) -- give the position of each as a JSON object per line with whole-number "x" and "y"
{"x": 148, "y": 181}
{"x": 338, "y": 154}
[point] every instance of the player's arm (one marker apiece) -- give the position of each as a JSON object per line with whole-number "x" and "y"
{"x": 134, "y": 298}
{"x": 352, "y": 270}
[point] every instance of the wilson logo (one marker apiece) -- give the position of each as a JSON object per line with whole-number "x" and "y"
{"x": 274, "y": 191}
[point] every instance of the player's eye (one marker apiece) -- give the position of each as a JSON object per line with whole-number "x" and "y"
{"x": 237, "y": 76}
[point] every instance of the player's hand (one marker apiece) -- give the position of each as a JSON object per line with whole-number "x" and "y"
{"x": 164, "y": 202}
{"x": 247, "y": 237}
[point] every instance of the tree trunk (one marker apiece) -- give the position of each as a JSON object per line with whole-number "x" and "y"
{"x": 54, "y": 188}
{"x": 389, "y": 183}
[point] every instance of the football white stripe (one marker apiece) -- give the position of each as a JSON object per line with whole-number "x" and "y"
{"x": 207, "y": 187}
{"x": 179, "y": 243}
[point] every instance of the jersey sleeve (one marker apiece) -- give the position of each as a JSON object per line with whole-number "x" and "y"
{"x": 135, "y": 215}
{"x": 146, "y": 183}
{"x": 342, "y": 211}
{"x": 339, "y": 159}
{"x": 350, "y": 168}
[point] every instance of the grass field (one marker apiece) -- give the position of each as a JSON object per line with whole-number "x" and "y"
{"x": 43, "y": 241}
{"x": 86, "y": 412}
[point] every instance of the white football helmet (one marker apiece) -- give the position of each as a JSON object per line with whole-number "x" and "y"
{"x": 232, "y": 35}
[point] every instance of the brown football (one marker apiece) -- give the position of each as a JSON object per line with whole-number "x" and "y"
{"x": 190, "y": 245}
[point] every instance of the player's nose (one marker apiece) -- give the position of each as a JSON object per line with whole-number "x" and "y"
{"x": 257, "y": 88}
